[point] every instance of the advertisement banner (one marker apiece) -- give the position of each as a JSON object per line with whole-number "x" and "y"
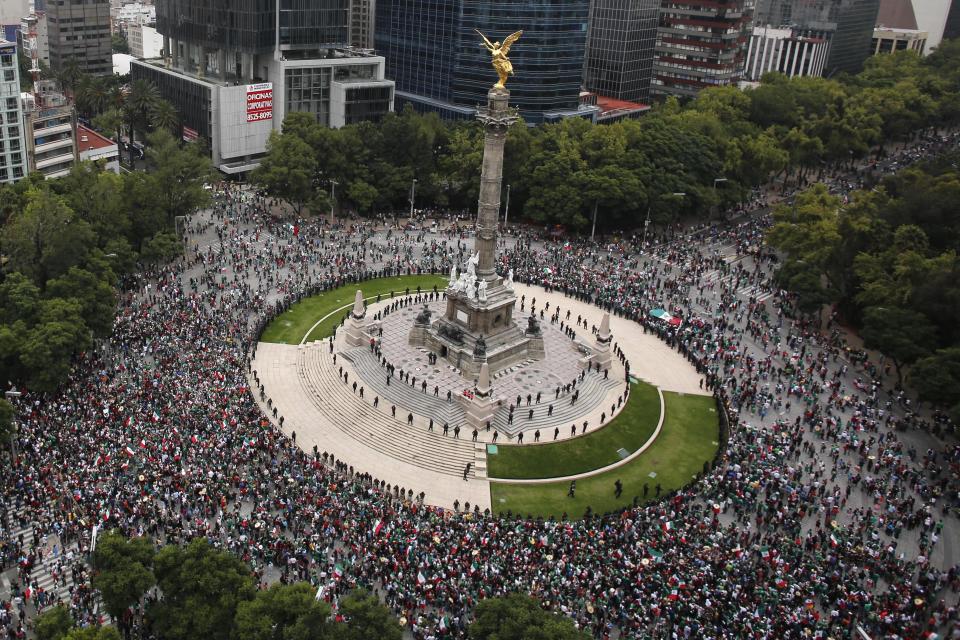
{"x": 259, "y": 102}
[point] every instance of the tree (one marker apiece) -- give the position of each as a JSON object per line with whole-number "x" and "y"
{"x": 520, "y": 617}
{"x": 119, "y": 44}
{"x": 201, "y": 589}
{"x": 367, "y": 618}
{"x": 123, "y": 571}
{"x": 49, "y": 346}
{"x": 93, "y": 633}
{"x": 937, "y": 379}
{"x": 95, "y": 297}
{"x": 160, "y": 248}
{"x": 6, "y": 423}
{"x": 178, "y": 175}
{"x": 362, "y": 194}
{"x": 46, "y": 238}
{"x": 284, "y": 612}
{"x": 163, "y": 115}
{"x": 901, "y": 334}
{"x": 287, "y": 171}
{"x": 53, "y": 624}
{"x": 137, "y": 104}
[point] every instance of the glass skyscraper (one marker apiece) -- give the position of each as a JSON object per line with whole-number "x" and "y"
{"x": 620, "y": 48}
{"x": 436, "y": 58}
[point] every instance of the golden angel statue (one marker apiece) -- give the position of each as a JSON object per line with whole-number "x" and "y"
{"x": 499, "y": 53}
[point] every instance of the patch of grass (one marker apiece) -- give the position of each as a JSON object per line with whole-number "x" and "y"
{"x": 629, "y": 430}
{"x": 290, "y": 326}
{"x": 687, "y": 440}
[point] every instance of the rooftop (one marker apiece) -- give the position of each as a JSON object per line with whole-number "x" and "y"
{"x": 89, "y": 140}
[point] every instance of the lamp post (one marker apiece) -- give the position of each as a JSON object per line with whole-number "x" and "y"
{"x": 413, "y": 194}
{"x": 506, "y": 210}
{"x": 646, "y": 223}
{"x": 715, "y": 181}
{"x": 333, "y": 198}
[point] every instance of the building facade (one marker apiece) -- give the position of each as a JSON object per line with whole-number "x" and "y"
{"x": 33, "y": 39}
{"x": 436, "y": 58}
{"x": 79, "y": 30}
{"x": 13, "y": 151}
{"x": 846, "y": 25}
{"x": 50, "y": 124}
{"x": 11, "y": 11}
{"x": 145, "y": 41}
{"x": 700, "y": 44}
{"x": 787, "y": 51}
{"x": 93, "y": 147}
{"x": 362, "y": 13}
{"x": 951, "y": 27}
{"x": 234, "y": 71}
{"x": 620, "y": 44}
{"x": 889, "y": 40}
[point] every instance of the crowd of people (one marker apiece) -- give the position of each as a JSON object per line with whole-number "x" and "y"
{"x": 821, "y": 515}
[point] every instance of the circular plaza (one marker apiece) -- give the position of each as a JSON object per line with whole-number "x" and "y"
{"x": 381, "y": 403}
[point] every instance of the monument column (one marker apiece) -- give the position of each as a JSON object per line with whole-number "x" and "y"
{"x": 496, "y": 118}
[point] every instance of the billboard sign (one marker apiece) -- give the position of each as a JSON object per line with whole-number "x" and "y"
{"x": 259, "y": 102}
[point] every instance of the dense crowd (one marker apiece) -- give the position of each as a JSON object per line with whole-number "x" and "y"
{"x": 821, "y": 515}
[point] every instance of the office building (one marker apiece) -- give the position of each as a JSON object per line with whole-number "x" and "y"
{"x": 235, "y": 70}
{"x": 700, "y": 45}
{"x": 939, "y": 19}
{"x": 436, "y": 58}
{"x": 79, "y": 30}
{"x": 50, "y": 126}
{"x": 144, "y": 41}
{"x": 951, "y": 26}
{"x": 890, "y": 40}
{"x": 13, "y": 153}
{"x": 362, "y": 13}
{"x": 846, "y": 25}
{"x": 131, "y": 13}
{"x": 620, "y": 42}
{"x": 787, "y": 51}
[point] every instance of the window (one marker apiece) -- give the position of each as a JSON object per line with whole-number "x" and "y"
{"x": 13, "y": 132}
{"x": 8, "y": 75}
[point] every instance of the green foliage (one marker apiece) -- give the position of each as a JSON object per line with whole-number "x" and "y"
{"x": 520, "y": 617}
{"x": 367, "y": 618}
{"x": 937, "y": 379}
{"x": 902, "y": 334}
{"x": 201, "y": 588}
{"x": 93, "y": 633}
{"x": 53, "y": 624}
{"x": 177, "y": 175}
{"x": 284, "y": 612}
{"x": 123, "y": 571}
{"x": 288, "y": 170}
{"x": 6, "y": 423}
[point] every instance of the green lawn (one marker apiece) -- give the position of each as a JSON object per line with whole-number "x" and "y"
{"x": 290, "y": 326}
{"x": 629, "y": 430}
{"x": 688, "y": 439}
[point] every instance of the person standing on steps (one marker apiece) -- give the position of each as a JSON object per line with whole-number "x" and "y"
{"x": 466, "y": 471}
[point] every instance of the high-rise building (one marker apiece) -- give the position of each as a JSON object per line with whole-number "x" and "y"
{"x": 33, "y": 39}
{"x": 233, "y": 69}
{"x": 11, "y": 11}
{"x": 362, "y": 13}
{"x": 50, "y": 125}
{"x": 847, "y": 25}
{"x": 79, "y": 30}
{"x": 13, "y": 152}
{"x": 700, "y": 44}
{"x": 620, "y": 42}
{"x": 785, "y": 50}
{"x": 951, "y": 28}
{"x": 897, "y": 29}
{"x": 435, "y": 55}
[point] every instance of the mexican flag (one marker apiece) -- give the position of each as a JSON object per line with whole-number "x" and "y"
{"x": 667, "y": 526}
{"x": 421, "y": 578}
{"x": 444, "y": 622}
{"x": 674, "y": 595}
{"x": 377, "y": 527}
{"x": 834, "y": 541}
{"x": 338, "y": 570}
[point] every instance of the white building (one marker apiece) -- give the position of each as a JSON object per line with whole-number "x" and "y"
{"x": 33, "y": 39}
{"x": 131, "y": 13}
{"x": 237, "y": 114}
{"x": 13, "y": 152}
{"x": 144, "y": 41}
{"x": 792, "y": 52}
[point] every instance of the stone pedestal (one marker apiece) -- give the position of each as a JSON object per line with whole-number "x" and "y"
{"x": 355, "y": 326}
{"x": 601, "y": 348}
{"x": 481, "y": 408}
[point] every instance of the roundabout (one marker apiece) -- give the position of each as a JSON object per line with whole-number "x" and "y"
{"x": 371, "y": 407}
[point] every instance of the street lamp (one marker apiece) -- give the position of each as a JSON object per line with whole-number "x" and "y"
{"x": 333, "y": 198}
{"x": 506, "y": 210}
{"x": 715, "y": 181}
{"x": 413, "y": 194}
{"x": 646, "y": 223}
